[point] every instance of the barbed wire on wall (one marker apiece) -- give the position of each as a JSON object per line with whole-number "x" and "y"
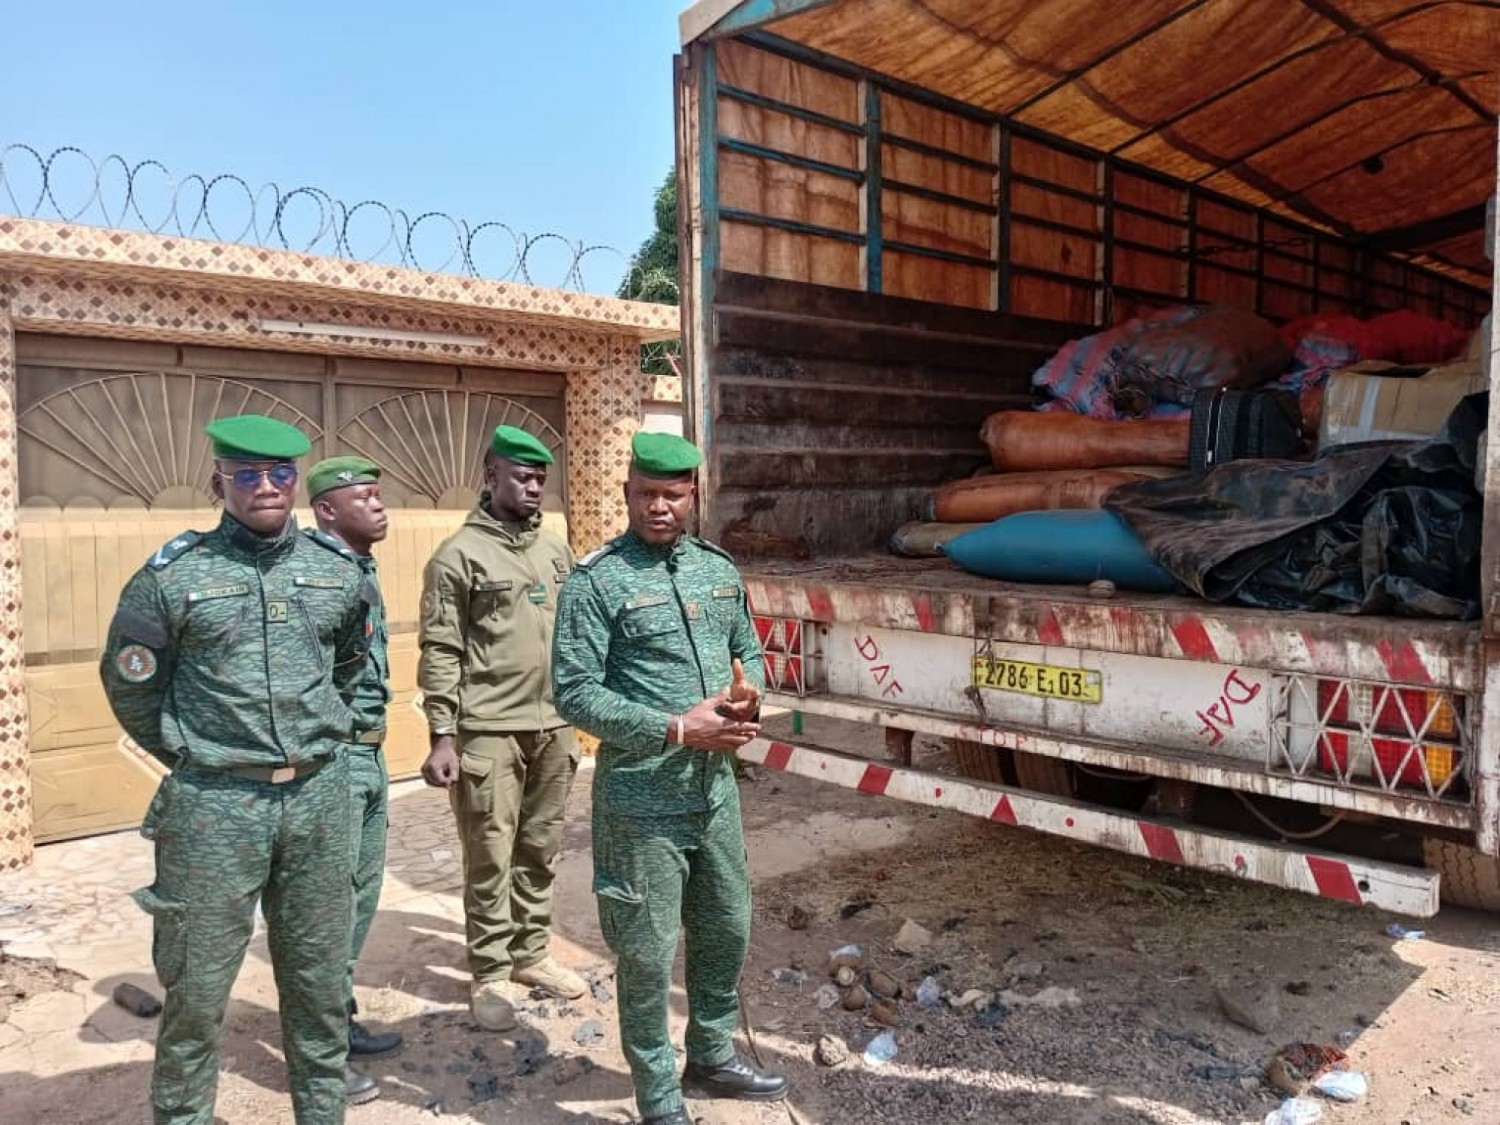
{"x": 68, "y": 185}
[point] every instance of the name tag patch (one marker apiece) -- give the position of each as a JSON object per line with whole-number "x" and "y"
{"x": 641, "y": 601}
{"x": 492, "y": 586}
{"x": 239, "y": 589}
{"x": 319, "y": 583}
{"x": 726, "y": 591}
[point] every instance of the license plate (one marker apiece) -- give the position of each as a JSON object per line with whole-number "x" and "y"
{"x": 1046, "y": 680}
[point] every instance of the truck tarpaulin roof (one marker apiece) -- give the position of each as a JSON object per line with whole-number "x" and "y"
{"x": 1375, "y": 119}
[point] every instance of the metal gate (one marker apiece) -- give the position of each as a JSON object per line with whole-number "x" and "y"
{"x": 113, "y": 462}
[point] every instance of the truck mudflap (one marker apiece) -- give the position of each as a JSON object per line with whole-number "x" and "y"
{"x": 1399, "y": 889}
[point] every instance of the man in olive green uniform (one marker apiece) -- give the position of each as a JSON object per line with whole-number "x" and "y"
{"x": 489, "y": 595}
{"x": 656, "y": 656}
{"x": 229, "y": 659}
{"x": 345, "y": 494}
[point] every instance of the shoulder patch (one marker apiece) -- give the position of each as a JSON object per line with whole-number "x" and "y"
{"x": 173, "y": 550}
{"x": 599, "y": 552}
{"x": 135, "y": 664}
{"x": 323, "y": 539}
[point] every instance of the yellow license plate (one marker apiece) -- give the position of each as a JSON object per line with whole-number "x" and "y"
{"x": 1046, "y": 680}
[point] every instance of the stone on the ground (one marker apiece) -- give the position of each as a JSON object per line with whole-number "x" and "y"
{"x": 136, "y": 1001}
{"x": 1254, "y": 1006}
{"x": 831, "y": 1051}
{"x": 913, "y": 937}
{"x": 975, "y": 998}
{"x": 855, "y": 999}
{"x": 885, "y": 1014}
{"x": 590, "y": 1033}
{"x": 884, "y": 985}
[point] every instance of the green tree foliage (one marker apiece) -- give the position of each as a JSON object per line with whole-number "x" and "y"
{"x": 652, "y": 275}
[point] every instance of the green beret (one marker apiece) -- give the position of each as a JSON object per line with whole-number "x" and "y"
{"x": 515, "y": 444}
{"x": 340, "y": 472}
{"x": 663, "y": 455}
{"x": 254, "y": 437}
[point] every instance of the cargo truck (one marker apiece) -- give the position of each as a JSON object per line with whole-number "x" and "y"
{"x": 892, "y": 212}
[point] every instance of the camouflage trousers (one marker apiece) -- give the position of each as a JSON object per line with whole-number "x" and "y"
{"x": 222, "y": 843}
{"x": 369, "y": 818}
{"x": 509, "y": 802}
{"x": 652, "y": 876}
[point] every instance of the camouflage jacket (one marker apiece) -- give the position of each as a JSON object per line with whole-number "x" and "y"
{"x": 643, "y": 634}
{"x": 372, "y": 690}
{"x": 231, "y": 649}
{"x": 489, "y": 596}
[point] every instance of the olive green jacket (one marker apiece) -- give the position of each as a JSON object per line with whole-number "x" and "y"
{"x": 489, "y": 598}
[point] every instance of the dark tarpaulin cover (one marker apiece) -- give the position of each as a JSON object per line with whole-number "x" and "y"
{"x": 1385, "y": 528}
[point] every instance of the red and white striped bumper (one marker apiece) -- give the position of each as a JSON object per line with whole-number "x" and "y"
{"x": 1403, "y": 890}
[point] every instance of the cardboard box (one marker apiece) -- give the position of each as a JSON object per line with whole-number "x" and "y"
{"x": 1361, "y": 404}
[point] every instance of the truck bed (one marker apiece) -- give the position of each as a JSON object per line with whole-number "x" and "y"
{"x": 880, "y": 590}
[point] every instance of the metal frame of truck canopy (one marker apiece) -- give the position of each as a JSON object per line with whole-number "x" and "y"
{"x": 930, "y": 615}
{"x": 1151, "y": 86}
{"x": 1235, "y": 249}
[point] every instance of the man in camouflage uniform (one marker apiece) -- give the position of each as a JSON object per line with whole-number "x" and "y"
{"x": 489, "y": 594}
{"x": 229, "y": 659}
{"x": 656, "y": 655}
{"x": 345, "y": 494}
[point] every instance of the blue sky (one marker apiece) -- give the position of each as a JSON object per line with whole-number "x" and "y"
{"x": 553, "y": 115}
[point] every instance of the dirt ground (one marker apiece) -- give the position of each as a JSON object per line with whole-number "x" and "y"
{"x": 1103, "y": 977}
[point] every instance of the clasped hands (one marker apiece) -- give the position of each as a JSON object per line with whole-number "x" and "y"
{"x": 724, "y": 722}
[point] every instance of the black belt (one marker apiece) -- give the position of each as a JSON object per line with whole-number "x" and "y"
{"x": 279, "y": 775}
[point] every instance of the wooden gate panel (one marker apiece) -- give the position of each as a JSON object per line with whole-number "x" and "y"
{"x": 113, "y": 463}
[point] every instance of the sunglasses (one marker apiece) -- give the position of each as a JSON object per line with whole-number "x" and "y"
{"x": 282, "y": 477}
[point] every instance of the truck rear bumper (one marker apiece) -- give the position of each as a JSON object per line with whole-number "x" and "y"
{"x": 1199, "y": 769}
{"x": 1400, "y": 889}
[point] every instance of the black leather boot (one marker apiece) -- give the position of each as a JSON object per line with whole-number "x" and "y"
{"x": 360, "y": 1088}
{"x": 735, "y": 1079}
{"x": 676, "y": 1117}
{"x": 364, "y": 1044}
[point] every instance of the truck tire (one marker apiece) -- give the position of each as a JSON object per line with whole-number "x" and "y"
{"x": 979, "y": 762}
{"x": 1042, "y": 774}
{"x": 1470, "y": 879}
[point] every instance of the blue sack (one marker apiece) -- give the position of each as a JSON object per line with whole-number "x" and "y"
{"x": 1061, "y": 548}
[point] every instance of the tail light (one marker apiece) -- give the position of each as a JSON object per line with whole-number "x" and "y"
{"x": 793, "y": 662}
{"x": 1402, "y": 736}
